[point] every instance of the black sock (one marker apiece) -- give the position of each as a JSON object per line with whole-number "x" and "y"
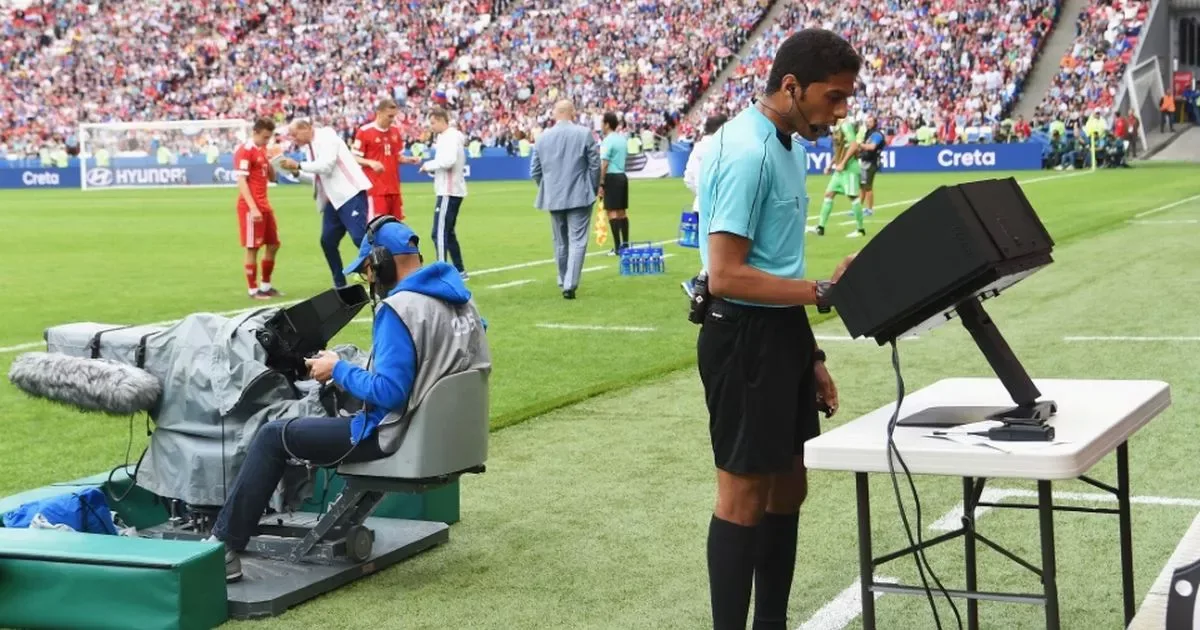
{"x": 731, "y": 552}
{"x": 774, "y": 566}
{"x": 615, "y": 226}
{"x": 625, "y": 230}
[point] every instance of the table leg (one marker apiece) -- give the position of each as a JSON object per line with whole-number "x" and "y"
{"x": 969, "y": 551}
{"x": 1049, "y": 572}
{"x": 865, "y": 561}
{"x": 1126, "y": 530}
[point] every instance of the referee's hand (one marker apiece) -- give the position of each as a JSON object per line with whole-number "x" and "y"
{"x": 826, "y": 390}
{"x": 841, "y": 268}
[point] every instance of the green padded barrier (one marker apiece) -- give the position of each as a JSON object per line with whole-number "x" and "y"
{"x": 139, "y": 508}
{"x": 440, "y": 504}
{"x": 53, "y": 579}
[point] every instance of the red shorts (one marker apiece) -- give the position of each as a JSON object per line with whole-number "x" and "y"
{"x": 255, "y": 234}
{"x": 384, "y": 204}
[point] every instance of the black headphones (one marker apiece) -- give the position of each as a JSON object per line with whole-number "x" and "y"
{"x": 380, "y": 258}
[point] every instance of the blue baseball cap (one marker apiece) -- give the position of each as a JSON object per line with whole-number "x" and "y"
{"x": 393, "y": 236}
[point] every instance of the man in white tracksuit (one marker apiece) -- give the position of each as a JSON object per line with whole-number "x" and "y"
{"x": 448, "y": 168}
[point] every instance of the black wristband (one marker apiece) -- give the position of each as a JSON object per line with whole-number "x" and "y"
{"x": 819, "y": 355}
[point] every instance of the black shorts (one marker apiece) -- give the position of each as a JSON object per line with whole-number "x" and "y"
{"x": 866, "y": 178}
{"x": 616, "y": 191}
{"x": 756, "y": 364}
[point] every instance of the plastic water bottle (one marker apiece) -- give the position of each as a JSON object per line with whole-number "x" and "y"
{"x": 625, "y": 263}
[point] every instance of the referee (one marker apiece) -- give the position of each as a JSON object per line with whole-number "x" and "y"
{"x": 614, "y": 185}
{"x": 764, "y": 377}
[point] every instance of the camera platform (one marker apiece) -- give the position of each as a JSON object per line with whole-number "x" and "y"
{"x": 271, "y": 583}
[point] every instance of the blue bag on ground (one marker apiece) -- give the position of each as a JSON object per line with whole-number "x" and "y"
{"x": 84, "y": 511}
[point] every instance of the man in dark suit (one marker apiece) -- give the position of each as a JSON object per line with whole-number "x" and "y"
{"x": 566, "y": 167}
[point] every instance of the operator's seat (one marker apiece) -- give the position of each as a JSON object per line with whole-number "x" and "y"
{"x": 446, "y": 437}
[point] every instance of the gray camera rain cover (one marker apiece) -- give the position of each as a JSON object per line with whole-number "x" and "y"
{"x": 217, "y": 392}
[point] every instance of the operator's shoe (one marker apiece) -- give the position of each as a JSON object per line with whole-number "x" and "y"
{"x": 233, "y": 562}
{"x": 856, "y": 234}
{"x": 233, "y": 566}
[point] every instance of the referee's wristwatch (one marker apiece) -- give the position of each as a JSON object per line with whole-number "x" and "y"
{"x": 824, "y": 288}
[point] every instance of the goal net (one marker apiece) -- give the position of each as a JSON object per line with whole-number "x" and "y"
{"x": 159, "y": 154}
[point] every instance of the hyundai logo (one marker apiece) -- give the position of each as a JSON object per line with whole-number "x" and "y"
{"x": 100, "y": 177}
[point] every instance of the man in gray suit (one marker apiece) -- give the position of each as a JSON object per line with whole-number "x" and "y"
{"x": 566, "y": 167}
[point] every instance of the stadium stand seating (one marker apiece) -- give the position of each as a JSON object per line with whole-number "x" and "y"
{"x": 1089, "y": 76}
{"x": 500, "y": 64}
{"x": 647, "y": 60}
{"x": 925, "y": 60}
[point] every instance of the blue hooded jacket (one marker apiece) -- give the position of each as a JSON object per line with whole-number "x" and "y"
{"x": 390, "y": 384}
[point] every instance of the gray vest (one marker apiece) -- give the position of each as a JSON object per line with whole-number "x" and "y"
{"x": 449, "y": 338}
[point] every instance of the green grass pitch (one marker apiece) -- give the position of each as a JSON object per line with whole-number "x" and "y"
{"x": 594, "y": 509}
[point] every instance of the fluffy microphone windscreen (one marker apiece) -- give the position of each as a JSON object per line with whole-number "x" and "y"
{"x": 88, "y": 384}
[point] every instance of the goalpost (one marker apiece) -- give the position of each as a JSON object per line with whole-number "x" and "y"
{"x": 159, "y": 154}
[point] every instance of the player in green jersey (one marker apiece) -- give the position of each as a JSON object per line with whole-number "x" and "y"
{"x": 845, "y": 179}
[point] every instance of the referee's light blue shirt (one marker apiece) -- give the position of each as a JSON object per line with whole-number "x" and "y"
{"x": 752, "y": 185}
{"x": 615, "y": 148}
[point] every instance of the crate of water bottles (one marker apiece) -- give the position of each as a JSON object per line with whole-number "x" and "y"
{"x": 642, "y": 259}
{"x": 689, "y": 229}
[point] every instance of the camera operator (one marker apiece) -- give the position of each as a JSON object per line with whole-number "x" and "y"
{"x": 764, "y": 376}
{"x": 426, "y": 327}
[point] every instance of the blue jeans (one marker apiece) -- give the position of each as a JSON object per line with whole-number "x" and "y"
{"x": 322, "y": 441}
{"x": 352, "y": 218}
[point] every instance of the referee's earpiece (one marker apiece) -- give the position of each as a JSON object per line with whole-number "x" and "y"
{"x": 792, "y": 91}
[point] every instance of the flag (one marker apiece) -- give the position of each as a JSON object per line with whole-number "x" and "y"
{"x": 601, "y": 228}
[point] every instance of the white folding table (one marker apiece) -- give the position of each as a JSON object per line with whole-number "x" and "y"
{"x": 1094, "y": 417}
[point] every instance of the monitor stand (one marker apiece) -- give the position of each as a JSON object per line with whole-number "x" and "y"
{"x": 1028, "y": 410}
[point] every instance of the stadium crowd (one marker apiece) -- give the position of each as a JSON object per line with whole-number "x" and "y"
{"x": 71, "y": 61}
{"x": 648, "y": 61}
{"x": 928, "y": 63}
{"x": 939, "y": 71}
{"x": 1090, "y": 72}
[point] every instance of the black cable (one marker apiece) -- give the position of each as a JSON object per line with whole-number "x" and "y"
{"x": 918, "y": 554}
{"x": 133, "y": 478}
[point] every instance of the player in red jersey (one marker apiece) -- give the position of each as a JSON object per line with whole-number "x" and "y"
{"x": 379, "y": 148}
{"x": 256, "y": 219}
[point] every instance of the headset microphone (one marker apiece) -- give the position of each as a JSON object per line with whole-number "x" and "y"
{"x": 812, "y": 129}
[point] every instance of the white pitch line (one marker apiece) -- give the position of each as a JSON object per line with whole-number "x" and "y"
{"x": 1165, "y": 222}
{"x": 1166, "y": 207}
{"x": 514, "y": 283}
{"x": 591, "y": 269}
{"x": 1027, "y": 181}
{"x": 589, "y": 327}
{"x": 953, "y": 519}
{"x": 844, "y": 608}
{"x": 1131, "y": 338}
{"x": 23, "y": 346}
